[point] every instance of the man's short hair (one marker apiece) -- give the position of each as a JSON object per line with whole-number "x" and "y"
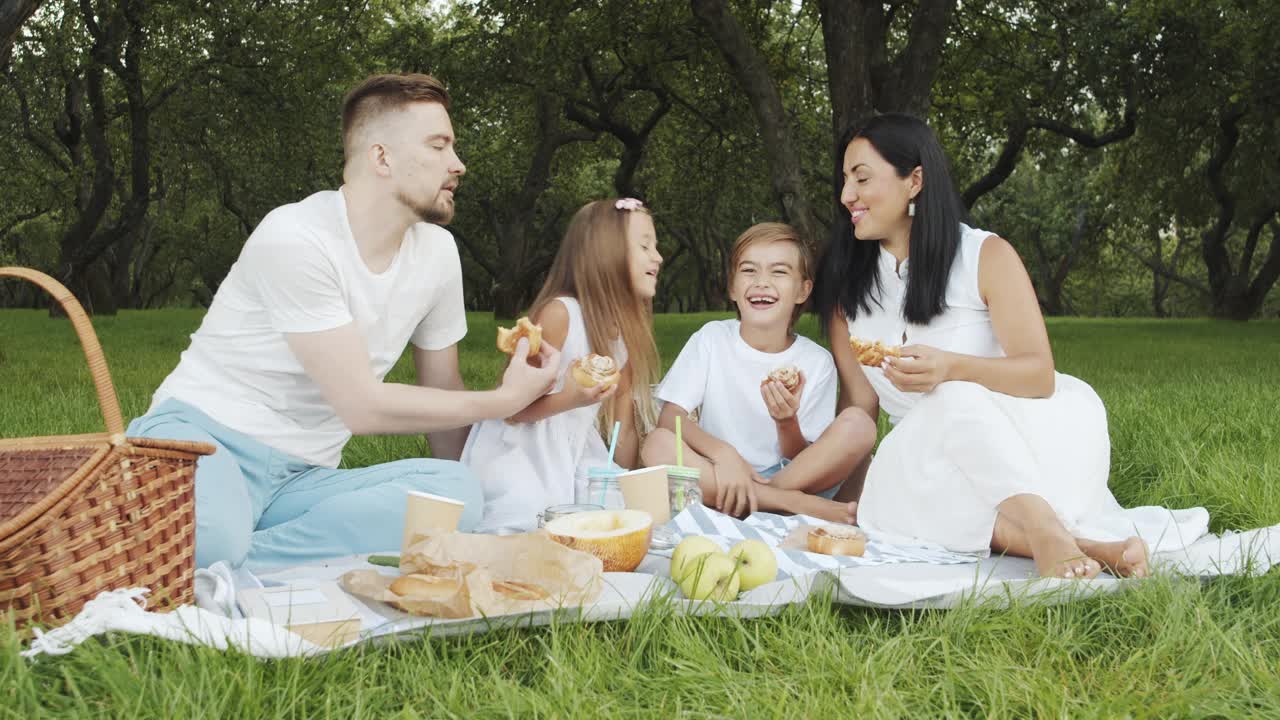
{"x": 386, "y": 93}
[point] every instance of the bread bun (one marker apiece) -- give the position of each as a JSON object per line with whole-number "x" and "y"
{"x": 517, "y": 590}
{"x": 788, "y": 375}
{"x": 872, "y": 353}
{"x": 425, "y": 587}
{"x": 592, "y": 370}
{"x": 837, "y": 540}
{"x": 507, "y": 339}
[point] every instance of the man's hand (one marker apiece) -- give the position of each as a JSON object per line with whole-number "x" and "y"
{"x": 735, "y": 484}
{"x": 523, "y": 382}
{"x": 783, "y": 404}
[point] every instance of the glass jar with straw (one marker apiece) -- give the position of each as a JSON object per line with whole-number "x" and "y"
{"x": 683, "y": 482}
{"x": 683, "y": 488}
{"x": 602, "y": 482}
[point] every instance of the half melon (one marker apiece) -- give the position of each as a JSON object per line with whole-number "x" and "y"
{"x": 620, "y": 538}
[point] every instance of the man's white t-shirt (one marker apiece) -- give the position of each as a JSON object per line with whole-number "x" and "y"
{"x": 300, "y": 272}
{"x": 720, "y": 373}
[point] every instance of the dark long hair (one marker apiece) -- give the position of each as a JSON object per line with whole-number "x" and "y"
{"x": 849, "y": 271}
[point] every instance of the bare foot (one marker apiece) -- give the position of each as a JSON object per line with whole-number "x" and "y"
{"x": 1057, "y": 555}
{"x": 829, "y": 510}
{"x": 1127, "y": 558}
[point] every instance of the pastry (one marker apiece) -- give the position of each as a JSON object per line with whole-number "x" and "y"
{"x": 872, "y": 353}
{"x": 789, "y": 376}
{"x": 837, "y": 540}
{"x": 517, "y": 590}
{"x": 507, "y": 339}
{"x": 425, "y": 586}
{"x": 593, "y": 370}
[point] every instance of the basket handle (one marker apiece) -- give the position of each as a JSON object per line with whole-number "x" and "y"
{"x": 107, "y": 400}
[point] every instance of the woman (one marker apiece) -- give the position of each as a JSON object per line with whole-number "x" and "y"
{"x": 991, "y": 448}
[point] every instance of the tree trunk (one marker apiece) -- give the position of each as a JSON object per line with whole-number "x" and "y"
{"x": 84, "y": 243}
{"x": 1234, "y": 295}
{"x": 513, "y": 221}
{"x": 751, "y": 70}
{"x": 13, "y": 13}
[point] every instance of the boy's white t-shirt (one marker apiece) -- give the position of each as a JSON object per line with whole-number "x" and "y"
{"x": 299, "y": 272}
{"x": 720, "y": 373}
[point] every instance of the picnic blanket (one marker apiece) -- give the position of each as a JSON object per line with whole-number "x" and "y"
{"x": 893, "y": 576}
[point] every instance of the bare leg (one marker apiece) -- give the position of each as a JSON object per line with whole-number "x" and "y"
{"x": 851, "y": 490}
{"x": 660, "y": 449}
{"x": 1026, "y": 526}
{"x": 798, "y": 502}
{"x": 1126, "y": 558}
{"x": 832, "y": 457}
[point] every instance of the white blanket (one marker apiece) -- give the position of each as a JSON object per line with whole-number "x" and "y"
{"x": 884, "y": 581}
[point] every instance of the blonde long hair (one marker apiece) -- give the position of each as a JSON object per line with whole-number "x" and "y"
{"x": 592, "y": 267}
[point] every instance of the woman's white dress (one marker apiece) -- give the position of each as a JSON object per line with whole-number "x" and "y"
{"x": 524, "y": 468}
{"x": 958, "y": 451}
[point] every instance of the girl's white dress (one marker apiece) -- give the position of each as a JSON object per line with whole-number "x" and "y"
{"x": 958, "y": 451}
{"x": 524, "y": 468}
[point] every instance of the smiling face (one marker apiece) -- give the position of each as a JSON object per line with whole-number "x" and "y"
{"x": 875, "y": 194}
{"x": 768, "y": 283}
{"x": 643, "y": 260}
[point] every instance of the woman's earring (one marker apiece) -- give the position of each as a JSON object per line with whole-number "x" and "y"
{"x": 911, "y": 209}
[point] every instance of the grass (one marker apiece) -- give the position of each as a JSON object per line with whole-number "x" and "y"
{"x": 1191, "y": 410}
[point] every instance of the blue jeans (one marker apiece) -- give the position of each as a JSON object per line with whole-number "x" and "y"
{"x": 772, "y": 470}
{"x": 265, "y": 509}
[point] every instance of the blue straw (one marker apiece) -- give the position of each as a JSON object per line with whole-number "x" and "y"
{"x": 613, "y": 446}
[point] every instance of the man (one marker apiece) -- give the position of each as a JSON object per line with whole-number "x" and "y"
{"x": 290, "y": 358}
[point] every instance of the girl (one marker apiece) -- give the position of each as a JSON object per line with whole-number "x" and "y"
{"x": 597, "y": 299}
{"x": 991, "y": 448}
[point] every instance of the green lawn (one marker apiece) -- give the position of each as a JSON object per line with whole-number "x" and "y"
{"x": 1192, "y": 408}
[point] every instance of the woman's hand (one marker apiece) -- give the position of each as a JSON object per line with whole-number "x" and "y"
{"x": 783, "y": 404}
{"x": 735, "y": 484}
{"x": 920, "y": 369}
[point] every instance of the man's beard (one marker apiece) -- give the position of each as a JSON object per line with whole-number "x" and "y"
{"x": 439, "y": 213}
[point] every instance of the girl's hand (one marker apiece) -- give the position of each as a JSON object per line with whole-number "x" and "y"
{"x": 583, "y": 396}
{"x": 920, "y": 369}
{"x": 783, "y": 404}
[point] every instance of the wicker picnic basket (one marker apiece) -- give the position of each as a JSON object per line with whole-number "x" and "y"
{"x": 80, "y": 514}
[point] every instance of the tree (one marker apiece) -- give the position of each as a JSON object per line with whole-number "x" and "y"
{"x": 13, "y": 13}
{"x": 1207, "y": 150}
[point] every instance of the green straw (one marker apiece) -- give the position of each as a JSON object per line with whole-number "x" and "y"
{"x": 613, "y": 446}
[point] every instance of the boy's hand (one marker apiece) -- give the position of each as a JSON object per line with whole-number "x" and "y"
{"x": 735, "y": 484}
{"x": 783, "y": 404}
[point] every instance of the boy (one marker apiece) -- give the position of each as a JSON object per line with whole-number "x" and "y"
{"x": 757, "y": 444}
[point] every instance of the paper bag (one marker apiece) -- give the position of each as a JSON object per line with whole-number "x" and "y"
{"x": 485, "y": 575}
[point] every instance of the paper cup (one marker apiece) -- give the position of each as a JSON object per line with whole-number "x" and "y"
{"x": 647, "y": 490}
{"x": 426, "y": 513}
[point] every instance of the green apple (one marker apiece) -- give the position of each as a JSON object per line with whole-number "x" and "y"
{"x": 756, "y": 563}
{"x": 713, "y": 576}
{"x": 688, "y": 549}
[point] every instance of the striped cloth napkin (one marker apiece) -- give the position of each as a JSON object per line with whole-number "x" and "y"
{"x": 773, "y": 529}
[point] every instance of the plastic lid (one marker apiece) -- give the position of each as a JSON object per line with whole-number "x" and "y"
{"x": 680, "y": 471}
{"x": 603, "y": 472}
